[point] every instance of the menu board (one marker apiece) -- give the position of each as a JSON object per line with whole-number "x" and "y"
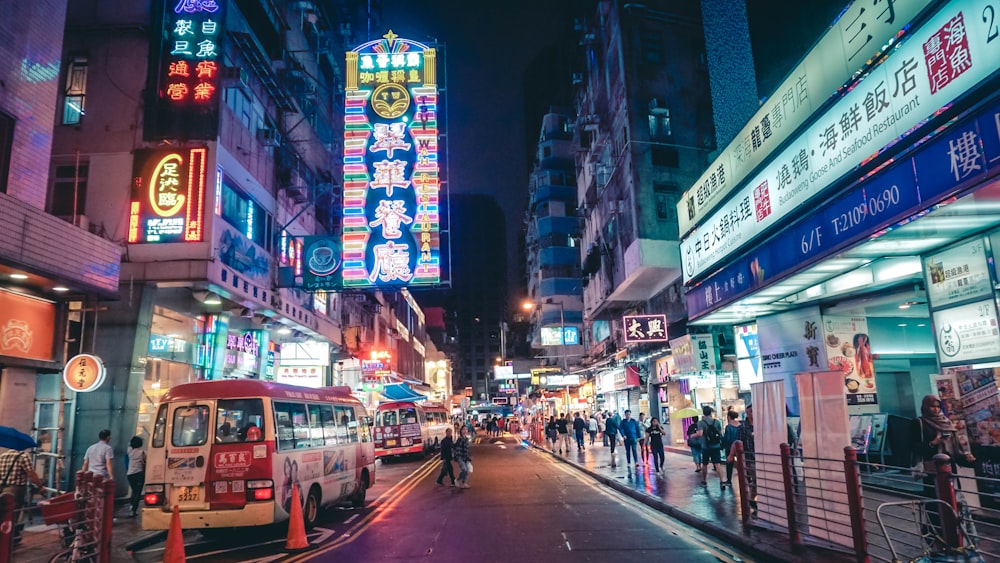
{"x": 849, "y": 350}
{"x": 958, "y": 274}
{"x": 967, "y": 333}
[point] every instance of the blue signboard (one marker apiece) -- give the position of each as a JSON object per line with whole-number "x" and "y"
{"x": 960, "y": 158}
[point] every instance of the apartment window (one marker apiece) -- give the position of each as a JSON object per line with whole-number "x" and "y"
{"x": 659, "y": 123}
{"x": 240, "y": 103}
{"x": 74, "y": 97}
{"x": 246, "y": 215}
{"x": 6, "y": 147}
{"x": 68, "y": 181}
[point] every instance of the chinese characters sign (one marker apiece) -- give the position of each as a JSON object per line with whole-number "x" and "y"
{"x": 941, "y": 61}
{"x": 84, "y": 373}
{"x": 860, "y": 32}
{"x": 188, "y": 71}
{"x": 645, "y": 328}
{"x": 392, "y": 223}
{"x": 168, "y": 196}
{"x": 958, "y": 274}
{"x": 967, "y": 333}
{"x": 560, "y": 336}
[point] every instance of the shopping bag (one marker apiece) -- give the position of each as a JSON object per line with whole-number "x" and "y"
{"x": 468, "y": 464}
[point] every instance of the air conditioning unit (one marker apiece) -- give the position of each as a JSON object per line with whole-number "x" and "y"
{"x": 577, "y": 78}
{"x": 269, "y": 137}
{"x": 658, "y": 106}
{"x": 235, "y": 76}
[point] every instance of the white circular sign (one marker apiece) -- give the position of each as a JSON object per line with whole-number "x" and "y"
{"x": 84, "y": 373}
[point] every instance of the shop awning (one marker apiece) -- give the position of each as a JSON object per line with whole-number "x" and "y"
{"x": 401, "y": 392}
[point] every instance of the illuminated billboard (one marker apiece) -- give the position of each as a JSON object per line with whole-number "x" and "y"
{"x": 187, "y": 68}
{"x": 391, "y": 207}
{"x": 168, "y": 196}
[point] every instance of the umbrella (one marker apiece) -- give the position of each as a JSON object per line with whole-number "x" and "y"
{"x": 687, "y": 412}
{"x": 15, "y": 439}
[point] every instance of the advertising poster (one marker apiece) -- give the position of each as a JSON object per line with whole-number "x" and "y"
{"x": 973, "y": 402}
{"x": 791, "y": 343}
{"x": 958, "y": 274}
{"x": 849, "y": 351}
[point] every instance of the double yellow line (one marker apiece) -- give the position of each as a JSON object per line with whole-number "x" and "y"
{"x": 384, "y": 503}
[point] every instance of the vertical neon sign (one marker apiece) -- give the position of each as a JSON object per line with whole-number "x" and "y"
{"x": 391, "y": 221}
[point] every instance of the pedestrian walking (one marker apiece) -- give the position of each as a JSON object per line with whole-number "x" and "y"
{"x": 135, "y": 472}
{"x": 630, "y": 432}
{"x": 446, "y": 469}
{"x": 15, "y": 475}
{"x": 579, "y": 427}
{"x": 694, "y": 442}
{"x": 552, "y": 433}
{"x": 654, "y": 437}
{"x": 710, "y": 432}
{"x": 601, "y": 429}
{"x": 592, "y": 428}
{"x": 99, "y": 456}
{"x": 729, "y": 437}
{"x": 562, "y": 424}
{"x": 611, "y": 433}
{"x": 643, "y": 447}
{"x": 461, "y": 453}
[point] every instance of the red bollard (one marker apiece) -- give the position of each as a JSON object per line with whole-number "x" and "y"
{"x": 7, "y": 517}
{"x": 744, "y": 484}
{"x": 855, "y": 505}
{"x": 786, "y": 476}
{"x": 946, "y": 494}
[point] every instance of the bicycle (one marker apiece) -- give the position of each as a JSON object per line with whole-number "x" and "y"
{"x": 69, "y": 512}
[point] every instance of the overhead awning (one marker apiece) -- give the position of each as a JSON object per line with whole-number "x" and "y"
{"x": 401, "y": 392}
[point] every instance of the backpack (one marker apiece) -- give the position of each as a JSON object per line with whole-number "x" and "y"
{"x": 713, "y": 438}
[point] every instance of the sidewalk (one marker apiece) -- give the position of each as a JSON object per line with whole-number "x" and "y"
{"x": 679, "y": 493}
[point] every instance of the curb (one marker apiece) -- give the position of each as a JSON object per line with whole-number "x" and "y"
{"x": 761, "y": 550}
{"x": 146, "y": 541}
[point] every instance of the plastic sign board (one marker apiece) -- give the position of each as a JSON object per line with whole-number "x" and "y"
{"x": 501, "y": 373}
{"x": 391, "y": 203}
{"x": 645, "y": 328}
{"x": 859, "y": 34}
{"x": 84, "y": 373}
{"x": 941, "y": 61}
{"x": 168, "y": 196}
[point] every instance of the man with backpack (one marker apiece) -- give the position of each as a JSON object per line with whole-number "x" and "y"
{"x": 710, "y": 432}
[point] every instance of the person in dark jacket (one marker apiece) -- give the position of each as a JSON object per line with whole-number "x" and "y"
{"x": 611, "y": 430}
{"x": 562, "y": 424}
{"x": 631, "y": 431}
{"x": 579, "y": 428}
{"x": 446, "y": 468}
{"x": 460, "y": 451}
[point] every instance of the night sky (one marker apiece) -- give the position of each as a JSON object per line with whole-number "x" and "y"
{"x": 491, "y": 44}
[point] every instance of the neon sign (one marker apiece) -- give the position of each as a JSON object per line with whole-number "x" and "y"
{"x": 188, "y": 79}
{"x": 168, "y": 196}
{"x": 391, "y": 224}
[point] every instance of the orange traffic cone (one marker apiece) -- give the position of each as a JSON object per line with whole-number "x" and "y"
{"x": 296, "y": 525}
{"x": 174, "y": 552}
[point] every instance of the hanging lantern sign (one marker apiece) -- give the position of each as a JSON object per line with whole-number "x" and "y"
{"x": 84, "y": 373}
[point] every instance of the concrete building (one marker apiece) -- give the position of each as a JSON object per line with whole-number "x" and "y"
{"x": 53, "y": 269}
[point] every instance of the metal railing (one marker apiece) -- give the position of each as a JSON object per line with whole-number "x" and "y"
{"x": 77, "y": 525}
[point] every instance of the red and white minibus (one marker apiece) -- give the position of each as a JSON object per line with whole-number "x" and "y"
{"x": 228, "y": 452}
{"x": 407, "y": 427}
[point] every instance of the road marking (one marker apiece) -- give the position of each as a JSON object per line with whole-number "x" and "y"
{"x": 405, "y": 485}
{"x": 352, "y": 519}
{"x": 565, "y": 539}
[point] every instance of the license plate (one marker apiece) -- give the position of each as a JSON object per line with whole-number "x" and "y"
{"x": 188, "y": 494}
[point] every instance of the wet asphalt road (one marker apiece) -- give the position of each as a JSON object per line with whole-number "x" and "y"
{"x": 522, "y": 506}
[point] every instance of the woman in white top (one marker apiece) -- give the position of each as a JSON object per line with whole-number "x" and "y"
{"x": 136, "y": 473}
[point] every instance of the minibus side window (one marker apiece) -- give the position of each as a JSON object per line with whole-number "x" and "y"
{"x": 346, "y": 417}
{"x": 363, "y": 428}
{"x": 190, "y": 425}
{"x": 160, "y": 428}
{"x": 329, "y": 424}
{"x": 315, "y": 426}
{"x": 291, "y": 425}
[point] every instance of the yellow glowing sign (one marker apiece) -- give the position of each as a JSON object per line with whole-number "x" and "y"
{"x": 165, "y": 198}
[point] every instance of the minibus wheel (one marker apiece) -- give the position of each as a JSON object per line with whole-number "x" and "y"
{"x": 310, "y": 512}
